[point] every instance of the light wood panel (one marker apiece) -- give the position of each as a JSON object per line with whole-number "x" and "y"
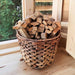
{"x": 10, "y": 45}
{"x": 65, "y": 10}
{"x": 27, "y": 8}
{"x": 11, "y": 65}
{"x": 9, "y": 50}
{"x": 57, "y": 9}
{"x": 43, "y": 8}
{"x": 43, "y": 0}
{"x": 71, "y": 30}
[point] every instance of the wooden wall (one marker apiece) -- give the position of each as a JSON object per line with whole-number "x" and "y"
{"x": 71, "y": 30}
{"x": 65, "y": 10}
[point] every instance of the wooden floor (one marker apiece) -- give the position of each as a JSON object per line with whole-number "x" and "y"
{"x": 11, "y": 65}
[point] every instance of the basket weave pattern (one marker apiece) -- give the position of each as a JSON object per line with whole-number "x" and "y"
{"x": 38, "y": 53}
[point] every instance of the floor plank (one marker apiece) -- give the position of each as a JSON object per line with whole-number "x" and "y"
{"x": 11, "y": 65}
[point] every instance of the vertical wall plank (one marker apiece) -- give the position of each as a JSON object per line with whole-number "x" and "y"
{"x": 71, "y": 30}
{"x": 54, "y": 9}
{"x": 23, "y": 9}
{"x": 57, "y": 9}
{"x": 65, "y": 11}
{"x": 59, "y": 14}
{"x": 27, "y": 8}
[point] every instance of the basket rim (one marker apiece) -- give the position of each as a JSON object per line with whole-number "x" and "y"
{"x": 21, "y": 37}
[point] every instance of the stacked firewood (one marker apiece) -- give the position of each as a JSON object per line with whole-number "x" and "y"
{"x": 38, "y": 26}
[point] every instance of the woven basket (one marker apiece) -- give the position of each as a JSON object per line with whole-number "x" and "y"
{"x": 38, "y": 53}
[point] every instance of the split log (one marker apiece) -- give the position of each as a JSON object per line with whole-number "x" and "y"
{"x": 28, "y": 20}
{"x": 43, "y": 35}
{"x": 58, "y": 24}
{"x": 39, "y": 19}
{"x": 49, "y": 29}
{"x": 49, "y": 22}
{"x": 37, "y": 36}
{"x": 34, "y": 23}
{"x": 54, "y": 25}
{"x": 16, "y": 27}
{"x": 23, "y": 32}
{"x": 56, "y": 31}
{"x": 32, "y": 30}
{"x": 21, "y": 29}
{"x": 42, "y": 25}
{"x": 32, "y": 36}
{"x": 24, "y": 25}
{"x": 38, "y": 14}
{"x": 44, "y": 22}
{"x": 41, "y": 28}
{"x": 33, "y": 17}
{"x": 46, "y": 17}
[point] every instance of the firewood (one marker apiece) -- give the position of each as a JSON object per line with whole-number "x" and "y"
{"x": 42, "y": 25}
{"x": 24, "y": 25}
{"x": 23, "y": 33}
{"x": 37, "y": 35}
{"x": 19, "y": 23}
{"x": 39, "y": 19}
{"x": 38, "y": 14}
{"x": 33, "y": 17}
{"x": 41, "y": 28}
{"x": 43, "y": 35}
{"x": 55, "y": 31}
{"x": 46, "y": 27}
{"x": 32, "y": 36}
{"x": 49, "y": 22}
{"x": 58, "y": 24}
{"x": 46, "y": 17}
{"x": 44, "y": 22}
{"x": 50, "y": 28}
{"x": 54, "y": 25}
{"x": 38, "y": 26}
{"x": 16, "y": 27}
{"x": 21, "y": 30}
{"x": 48, "y": 31}
{"x": 32, "y": 30}
{"x": 28, "y": 20}
{"x": 34, "y": 23}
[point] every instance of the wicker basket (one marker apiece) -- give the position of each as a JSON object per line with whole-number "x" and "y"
{"x": 38, "y": 53}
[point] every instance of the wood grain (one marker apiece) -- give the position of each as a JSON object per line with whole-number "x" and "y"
{"x": 43, "y": 0}
{"x": 43, "y": 8}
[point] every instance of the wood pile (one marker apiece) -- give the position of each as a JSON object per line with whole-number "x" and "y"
{"x": 38, "y": 26}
